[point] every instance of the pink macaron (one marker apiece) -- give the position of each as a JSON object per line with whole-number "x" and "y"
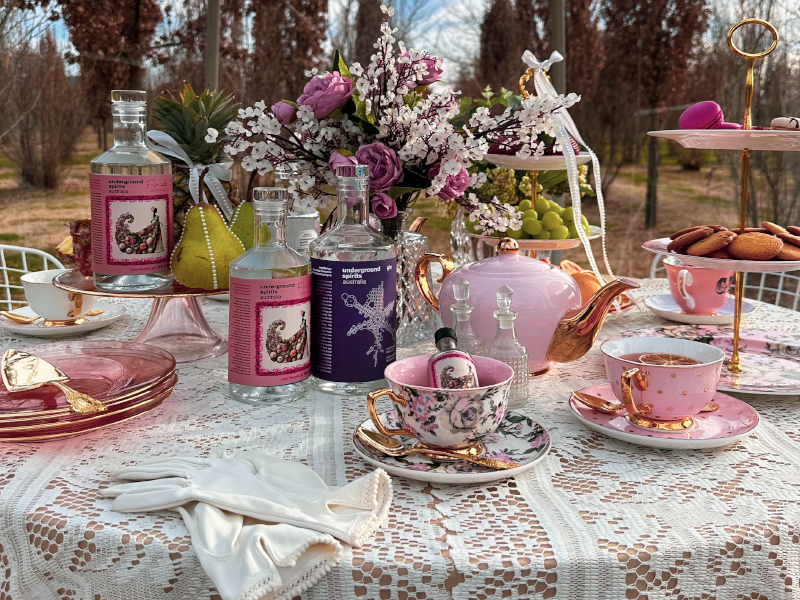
{"x": 705, "y": 115}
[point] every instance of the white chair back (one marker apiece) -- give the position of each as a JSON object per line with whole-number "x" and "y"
{"x": 15, "y": 261}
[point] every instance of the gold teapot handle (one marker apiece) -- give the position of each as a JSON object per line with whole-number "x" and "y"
{"x": 421, "y": 276}
{"x": 640, "y": 381}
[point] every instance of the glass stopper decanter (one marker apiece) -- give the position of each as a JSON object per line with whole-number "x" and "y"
{"x": 462, "y": 322}
{"x": 508, "y": 350}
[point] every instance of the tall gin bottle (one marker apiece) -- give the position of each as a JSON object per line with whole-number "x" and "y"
{"x": 268, "y": 350}
{"x": 353, "y": 308}
{"x": 131, "y": 190}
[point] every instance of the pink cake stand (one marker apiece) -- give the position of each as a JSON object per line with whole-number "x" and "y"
{"x": 176, "y": 322}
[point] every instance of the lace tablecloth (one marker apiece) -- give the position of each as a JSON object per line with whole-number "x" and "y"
{"x": 597, "y": 519}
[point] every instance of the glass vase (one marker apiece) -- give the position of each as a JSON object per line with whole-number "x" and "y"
{"x": 413, "y": 313}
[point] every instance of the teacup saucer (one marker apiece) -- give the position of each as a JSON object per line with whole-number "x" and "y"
{"x": 733, "y": 421}
{"x": 664, "y": 306}
{"x": 518, "y": 439}
{"x": 111, "y": 314}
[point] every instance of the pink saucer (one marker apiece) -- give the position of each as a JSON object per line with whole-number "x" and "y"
{"x": 733, "y": 421}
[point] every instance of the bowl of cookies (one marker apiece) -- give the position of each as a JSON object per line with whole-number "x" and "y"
{"x": 770, "y": 248}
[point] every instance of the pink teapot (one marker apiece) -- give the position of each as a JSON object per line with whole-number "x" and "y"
{"x": 551, "y": 323}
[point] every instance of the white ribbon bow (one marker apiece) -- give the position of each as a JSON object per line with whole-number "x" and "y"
{"x": 166, "y": 144}
{"x": 529, "y": 59}
{"x": 565, "y": 125}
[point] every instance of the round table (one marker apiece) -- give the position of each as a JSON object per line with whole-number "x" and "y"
{"x": 597, "y": 518}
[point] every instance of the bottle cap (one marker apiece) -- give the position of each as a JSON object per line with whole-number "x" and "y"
{"x": 444, "y": 332}
{"x": 352, "y": 171}
{"x": 269, "y": 198}
{"x": 138, "y": 96}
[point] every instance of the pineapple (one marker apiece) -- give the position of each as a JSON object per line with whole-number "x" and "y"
{"x": 187, "y": 119}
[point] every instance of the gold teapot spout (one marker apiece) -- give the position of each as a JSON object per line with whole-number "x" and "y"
{"x": 578, "y": 330}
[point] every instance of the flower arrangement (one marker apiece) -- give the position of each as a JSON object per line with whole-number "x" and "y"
{"x": 384, "y": 116}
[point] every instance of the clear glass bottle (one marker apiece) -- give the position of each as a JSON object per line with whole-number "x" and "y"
{"x": 131, "y": 190}
{"x": 508, "y": 350}
{"x": 450, "y": 367}
{"x": 270, "y": 308}
{"x": 303, "y": 228}
{"x": 462, "y": 322}
{"x": 354, "y": 275}
{"x": 413, "y": 313}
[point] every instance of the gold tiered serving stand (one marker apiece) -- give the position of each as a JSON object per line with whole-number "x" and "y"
{"x": 745, "y": 140}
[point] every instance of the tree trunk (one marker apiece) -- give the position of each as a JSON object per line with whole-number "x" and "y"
{"x": 653, "y": 158}
{"x": 368, "y": 22}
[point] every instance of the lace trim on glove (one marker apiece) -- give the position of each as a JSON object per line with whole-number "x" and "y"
{"x": 313, "y": 571}
{"x": 377, "y": 492}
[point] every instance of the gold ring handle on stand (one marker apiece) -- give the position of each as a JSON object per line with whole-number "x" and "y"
{"x": 747, "y": 124}
{"x": 421, "y": 276}
{"x": 373, "y": 413}
{"x": 523, "y": 80}
{"x": 752, "y": 21}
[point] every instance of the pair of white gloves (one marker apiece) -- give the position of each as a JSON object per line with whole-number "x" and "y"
{"x": 262, "y": 527}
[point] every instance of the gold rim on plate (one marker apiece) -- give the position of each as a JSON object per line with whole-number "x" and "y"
{"x": 17, "y": 416}
{"x": 94, "y": 416}
{"x": 156, "y": 400}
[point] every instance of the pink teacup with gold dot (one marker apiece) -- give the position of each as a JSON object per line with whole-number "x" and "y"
{"x": 662, "y": 382}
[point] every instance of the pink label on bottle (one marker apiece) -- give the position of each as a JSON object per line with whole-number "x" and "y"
{"x": 131, "y": 223}
{"x": 452, "y": 371}
{"x": 268, "y": 331}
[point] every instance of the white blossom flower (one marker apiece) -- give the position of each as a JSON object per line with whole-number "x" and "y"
{"x": 211, "y": 135}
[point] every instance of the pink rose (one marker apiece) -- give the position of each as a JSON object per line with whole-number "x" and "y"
{"x": 456, "y": 185}
{"x": 384, "y": 167}
{"x": 338, "y": 159}
{"x": 283, "y": 112}
{"x": 383, "y": 206}
{"x": 326, "y": 93}
{"x": 434, "y": 73}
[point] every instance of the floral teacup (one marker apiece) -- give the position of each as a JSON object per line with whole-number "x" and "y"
{"x": 440, "y": 417}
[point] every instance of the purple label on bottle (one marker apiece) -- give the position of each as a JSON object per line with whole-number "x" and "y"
{"x": 354, "y": 315}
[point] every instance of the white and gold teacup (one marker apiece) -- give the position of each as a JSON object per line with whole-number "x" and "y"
{"x": 55, "y": 306}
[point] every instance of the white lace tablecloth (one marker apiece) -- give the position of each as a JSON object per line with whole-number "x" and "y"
{"x": 597, "y": 519}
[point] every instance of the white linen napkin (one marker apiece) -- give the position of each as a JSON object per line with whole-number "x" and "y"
{"x": 260, "y": 486}
{"x": 248, "y": 560}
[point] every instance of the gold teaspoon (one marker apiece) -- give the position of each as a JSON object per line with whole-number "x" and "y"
{"x": 391, "y": 447}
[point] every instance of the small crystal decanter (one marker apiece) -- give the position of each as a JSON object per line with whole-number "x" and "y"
{"x": 450, "y": 367}
{"x": 462, "y": 322}
{"x": 270, "y": 309}
{"x": 508, "y": 350}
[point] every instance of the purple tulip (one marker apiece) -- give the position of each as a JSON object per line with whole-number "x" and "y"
{"x": 326, "y": 93}
{"x": 338, "y": 159}
{"x": 383, "y": 206}
{"x": 456, "y": 185}
{"x": 283, "y": 112}
{"x": 384, "y": 167}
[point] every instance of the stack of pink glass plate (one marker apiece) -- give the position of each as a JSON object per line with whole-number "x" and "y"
{"x": 129, "y": 378}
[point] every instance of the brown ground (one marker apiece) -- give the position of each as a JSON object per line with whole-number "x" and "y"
{"x": 36, "y": 218}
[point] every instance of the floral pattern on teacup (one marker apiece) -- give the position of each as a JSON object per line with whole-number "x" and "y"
{"x": 517, "y": 439}
{"x": 453, "y": 417}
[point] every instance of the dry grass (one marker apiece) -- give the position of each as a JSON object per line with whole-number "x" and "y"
{"x": 35, "y": 218}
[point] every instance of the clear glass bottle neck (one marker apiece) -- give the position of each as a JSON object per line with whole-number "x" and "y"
{"x": 130, "y": 126}
{"x": 353, "y": 194}
{"x": 446, "y": 343}
{"x": 270, "y": 229}
{"x": 506, "y": 334}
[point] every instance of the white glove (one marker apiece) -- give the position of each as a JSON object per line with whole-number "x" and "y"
{"x": 260, "y": 486}
{"x": 248, "y": 560}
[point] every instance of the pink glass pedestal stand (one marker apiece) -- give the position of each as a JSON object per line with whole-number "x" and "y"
{"x": 176, "y": 323}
